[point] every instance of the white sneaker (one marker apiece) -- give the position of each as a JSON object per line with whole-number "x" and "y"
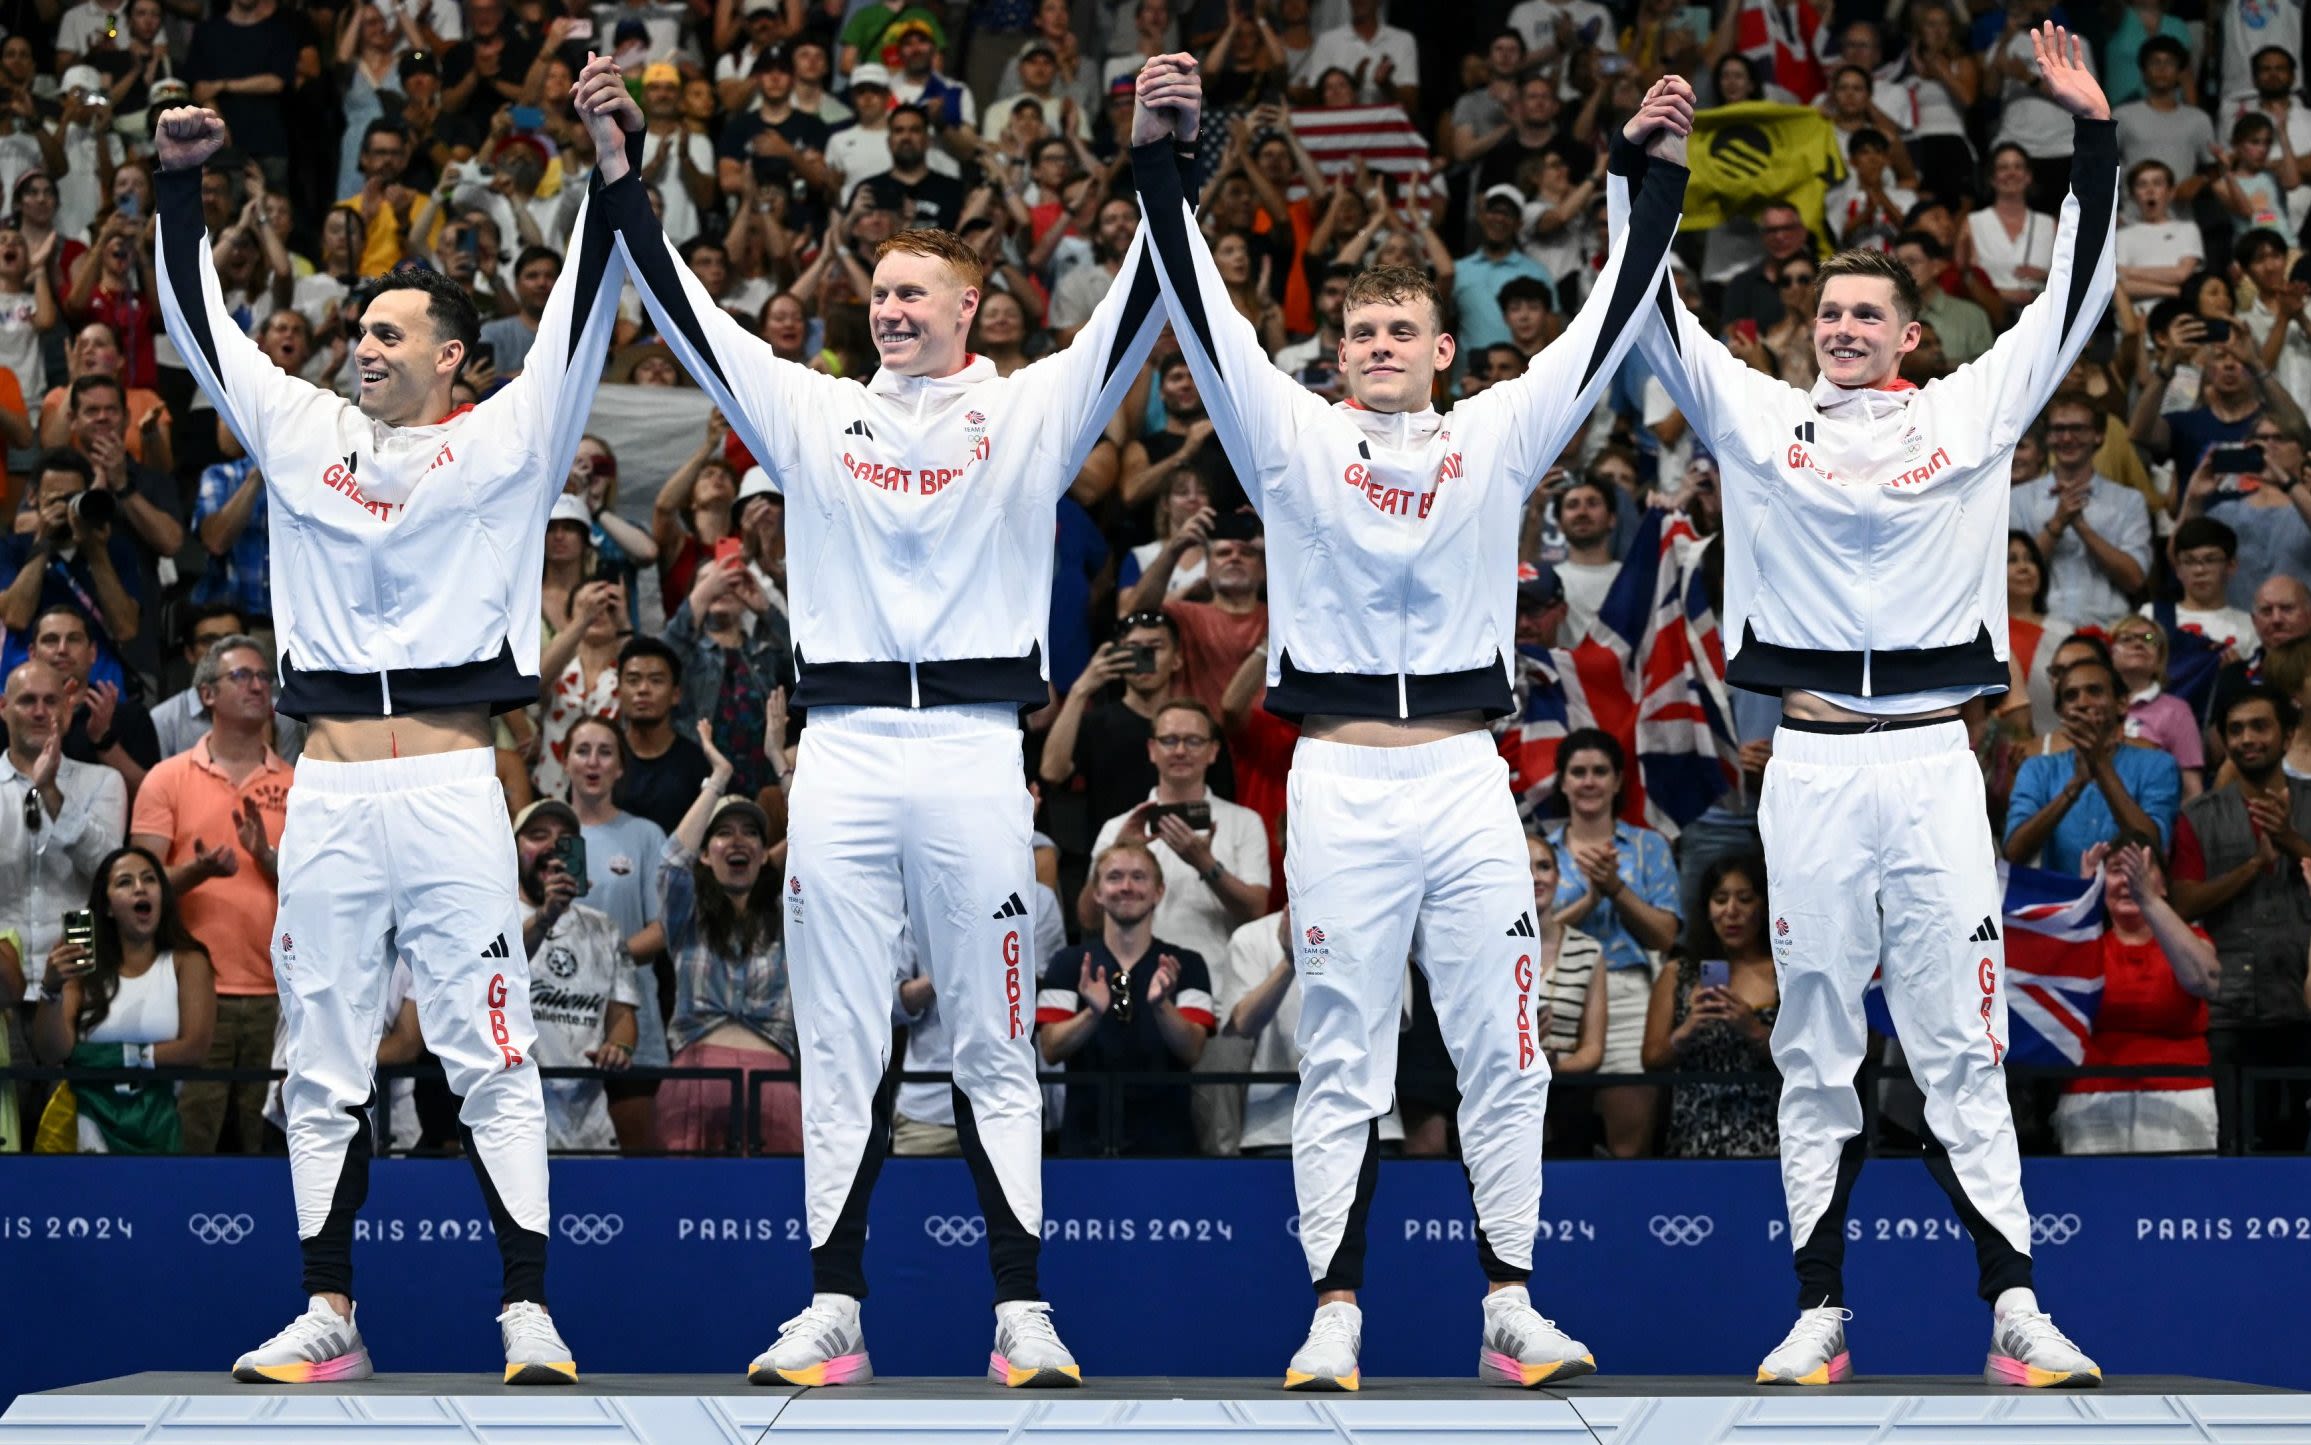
{"x": 1327, "y": 1361}
{"x": 1027, "y": 1349}
{"x": 2026, "y": 1349}
{"x": 824, "y": 1345}
{"x": 319, "y": 1345}
{"x": 1523, "y": 1349}
{"x": 535, "y": 1354}
{"x": 1812, "y": 1353}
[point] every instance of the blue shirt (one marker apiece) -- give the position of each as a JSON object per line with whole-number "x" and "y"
{"x": 1477, "y": 280}
{"x": 1645, "y": 866}
{"x": 2149, "y": 776}
{"x": 244, "y": 575}
{"x": 69, "y": 583}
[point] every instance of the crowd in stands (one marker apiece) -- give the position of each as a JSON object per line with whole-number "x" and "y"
{"x": 2159, "y": 562}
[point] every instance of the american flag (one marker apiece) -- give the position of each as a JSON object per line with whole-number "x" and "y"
{"x": 2053, "y": 924}
{"x": 1652, "y": 674}
{"x": 1382, "y": 136}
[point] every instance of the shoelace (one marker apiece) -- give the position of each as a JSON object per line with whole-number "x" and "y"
{"x": 817, "y": 1320}
{"x": 1031, "y": 1324}
{"x": 2037, "y": 1328}
{"x": 1333, "y": 1325}
{"x": 308, "y": 1328}
{"x": 1816, "y": 1327}
{"x": 529, "y": 1324}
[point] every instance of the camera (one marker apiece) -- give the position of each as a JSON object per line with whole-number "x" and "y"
{"x": 80, "y": 927}
{"x": 1142, "y": 655}
{"x": 95, "y": 508}
{"x": 570, "y": 851}
{"x": 1198, "y": 816}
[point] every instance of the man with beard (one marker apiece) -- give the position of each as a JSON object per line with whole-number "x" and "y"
{"x": 1534, "y": 129}
{"x": 1183, "y": 442}
{"x": 2094, "y": 534}
{"x": 1315, "y": 363}
{"x": 402, "y": 631}
{"x": 2276, "y": 97}
{"x": 1585, "y": 515}
{"x": 773, "y": 137}
{"x": 2237, "y": 872}
{"x": 2088, "y": 784}
{"x": 927, "y": 197}
{"x": 582, "y": 989}
{"x": 1081, "y": 288}
{"x": 921, "y": 508}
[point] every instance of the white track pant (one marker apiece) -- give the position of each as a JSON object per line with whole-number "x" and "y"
{"x": 1878, "y": 846}
{"x": 410, "y": 857}
{"x": 1412, "y": 850}
{"x": 915, "y": 818}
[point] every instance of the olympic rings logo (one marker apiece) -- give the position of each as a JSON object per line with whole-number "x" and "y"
{"x": 221, "y": 1228}
{"x": 2054, "y": 1228}
{"x": 1292, "y": 1226}
{"x": 950, "y": 1230}
{"x": 585, "y": 1229}
{"x": 1676, "y": 1230}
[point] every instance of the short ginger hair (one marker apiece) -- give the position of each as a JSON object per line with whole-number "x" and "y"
{"x": 945, "y": 246}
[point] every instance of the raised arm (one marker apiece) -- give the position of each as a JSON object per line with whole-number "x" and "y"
{"x": 2014, "y": 380}
{"x": 1255, "y": 409}
{"x": 1536, "y": 414}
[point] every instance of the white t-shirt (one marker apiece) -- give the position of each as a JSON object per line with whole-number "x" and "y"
{"x": 2252, "y": 25}
{"x": 2293, "y": 372}
{"x": 1345, "y": 49}
{"x": 1536, "y": 21}
{"x": 20, "y": 345}
{"x": 1190, "y": 914}
{"x": 2160, "y": 243}
{"x": 579, "y": 970}
{"x": 1253, "y": 952}
{"x": 78, "y": 29}
{"x": 1998, "y": 253}
{"x": 2030, "y": 120}
{"x": 2222, "y": 626}
{"x": 1845, "y": 205}
{"x": 858, "y": 152}
{"x": 681, "y": 214}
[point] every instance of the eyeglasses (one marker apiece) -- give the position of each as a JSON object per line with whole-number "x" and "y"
{"x": 243, "y": 676}
{"x": 2268, "y": 437}
{"x": 1798, "y": 279}
{"x": 2134, "y": 638}
{"x": 1182, "y": 742}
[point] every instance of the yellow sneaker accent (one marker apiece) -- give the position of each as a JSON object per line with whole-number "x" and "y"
{"x": 1542, "y": 1374}
{"x": 284, "y": 1374}
{"x": 1300, "y": 1380}
{"x": 1015, "y": 1376}
{"x": 543, "y": 1372}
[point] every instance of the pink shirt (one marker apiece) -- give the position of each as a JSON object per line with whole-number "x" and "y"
{"x": 2164, "y": 720}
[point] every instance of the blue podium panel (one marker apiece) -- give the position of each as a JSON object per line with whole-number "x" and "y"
{"x": 1188, "y": 1269}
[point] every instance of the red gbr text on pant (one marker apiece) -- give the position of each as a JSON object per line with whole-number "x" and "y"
{"x": 1011, "y": 978}
{"x": 1524, "y": 1011}
{"x": 498, "y": 1032}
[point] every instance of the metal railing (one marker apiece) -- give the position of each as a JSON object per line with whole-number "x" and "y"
{"x": 746, "y": 1109}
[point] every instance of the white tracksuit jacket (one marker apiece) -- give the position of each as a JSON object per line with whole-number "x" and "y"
{"x": 405, "y": 559}
{"x": 1896, "y": 586}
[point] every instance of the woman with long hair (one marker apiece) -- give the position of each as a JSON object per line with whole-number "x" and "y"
{"x": 578, "y": 673}
{"x": 786, "y": 326}
{"x": 139, "y": 994}
{"x": 1790, "y": 340}
{"x": 1568, "y": 976}
{"x": 2012, "y": 243}
{"x": 1232, "y": 258}
{"x": 1000, "y": 331}
{"x": 2031, "y": 637}
{"x": 1712, "y": 1010}
{"x": 719, "y": 896}
{"x": 1945, "y": 80}
{"x": 1626, "y": 872}
{"x": 1186, "y": 494}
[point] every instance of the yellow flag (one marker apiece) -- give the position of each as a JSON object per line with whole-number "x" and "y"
{"x": 1744, "y": 155}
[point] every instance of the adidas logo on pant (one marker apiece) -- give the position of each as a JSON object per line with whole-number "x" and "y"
{"x": 1012, "y": 908}
{"x": 497, "y": 949}
{"x": 1987, "y": 933}
{"x": 1523, "y": 927}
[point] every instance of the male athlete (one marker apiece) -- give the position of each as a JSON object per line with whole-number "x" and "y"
{"x": 919, "y": 513}
{"x": 1392, "y": 534}
{"x": 1865, "y": 582}
{"x": 405, "y": 591}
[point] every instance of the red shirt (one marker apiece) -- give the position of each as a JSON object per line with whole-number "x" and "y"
{"x": 1261, "y": 752}
{"x": 2146, "y": 1019}
{"x": 1213, "y": 644}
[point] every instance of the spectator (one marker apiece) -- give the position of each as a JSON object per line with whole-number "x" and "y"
{"x": 735, "y": 652}
{"x": 1183, "y": 444}
{"x": 2275, "y": 97}
{"x": 1125, "y": 1002}
{"x": 2157, "y": 974}
{"x": 1963, "y": 326}
{"x": 2270, "y": 511}
{"x": 578, "y": 672}
{"x": 1477, "y": 278}
{"x": 243, "y": 62}
{"x": 2253, "y": 184}
{"x": 2282, "y": 617}
{"x": 2064, "y": 805}
{"x": 1755, "y": 294}
{"x": 1185, "y": 505}
{"x": 2032, "y": 636}
{"x": 1215, "y": 874}
{"x": 508, "y": 337}
{"x": 2205, "y": 555}
{"x": 183, "y": 719}
{"x": 146, "y": 502}
{"x": 2122, "y": 77}
{"x": 1585, "y": 514}
{"x": 2278, "y": 320}
{"x": 2012, "y": 242}
{"x": 924, "y": 195}
{"x": 1110, "y": 742}
{"x": 732, "y": 1008}
{"x": 213, "y": 816}
{"x": 1943, "y": 80}
{"x": 1383, "y": 61}
{"x": 623, "y": 856}
{"x": 1479, "y": 119}
{"x": 386, "y": 205}
{"x": 1866, "y": 210}
{"x": 1081, "y": 288}
{"x": 76, "y": 551}
{"x": 2162, "y": 125}
{"x": 693, "y": 511}
{"x": 916, "y": 82}
{"x": 1535, "y": 131}
{"x": 863, "y": 148}
{"x": 27, "y": 310}
{"x": 621, "y": 549}
{"x": 779, "y": 143}
{"x": 95, "y": 350}
{"x": 1214, "y": 635}
{"x": 582, "y": 990}
{"x": 661, "y": 770}
{"x": 138, "y": 995}
{"x": 2095, "y": 533}
{"x": 2156, "y": 250}
{"x": 60, "y": 819}
{"x": 1569, "y": 991}
{"x": 1626, "y": 874}
{"x": 1077, "y": 75}
{"x": 1712, "y": 1010}
{"x": 2233, "y": 391}
{"x": 2236, "y": 871}
{"x": 108, "y": 726}
{"x": 2138, "y": 646}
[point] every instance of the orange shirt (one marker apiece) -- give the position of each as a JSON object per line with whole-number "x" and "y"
{"x": 12, "y": 399}
{"x": 189, "y": 799}
{"x": 142, "y": 402}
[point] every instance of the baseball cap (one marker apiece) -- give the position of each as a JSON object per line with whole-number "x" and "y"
{"x": 1039, "y": 44}
{"x": 1505, "y": 195}
{"x": 80, "y": 77}
{"x": 169, "y": 91}
{"x": 745, "y": 809}
{"x": 756, "y": 483}
{"x": 1123, "y": 84}
{"x": 551, "y": 808}
{"x": 761, "y": 7}
{"x": 1537, "y": 585}
{"x": 912, "y": 25}
{"x": 419, "y": 62}
{"x": 871, "y": 74}
{"x": 773, "y": 57}
{"x": 570, "y": 508}
{"x": 661, "y": 72}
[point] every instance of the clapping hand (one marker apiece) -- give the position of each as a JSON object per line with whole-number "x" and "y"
{"x": 221, "y": 862}
{"x": 715, "y": 761}
{"x": 1166, "y": 975}
{"x": 1091, "y": 986}
{"x": 249, "y": 828}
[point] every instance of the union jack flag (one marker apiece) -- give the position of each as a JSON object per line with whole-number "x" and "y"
{"x": 1652, "y": 674}
{"x": 2054, "y": 926}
